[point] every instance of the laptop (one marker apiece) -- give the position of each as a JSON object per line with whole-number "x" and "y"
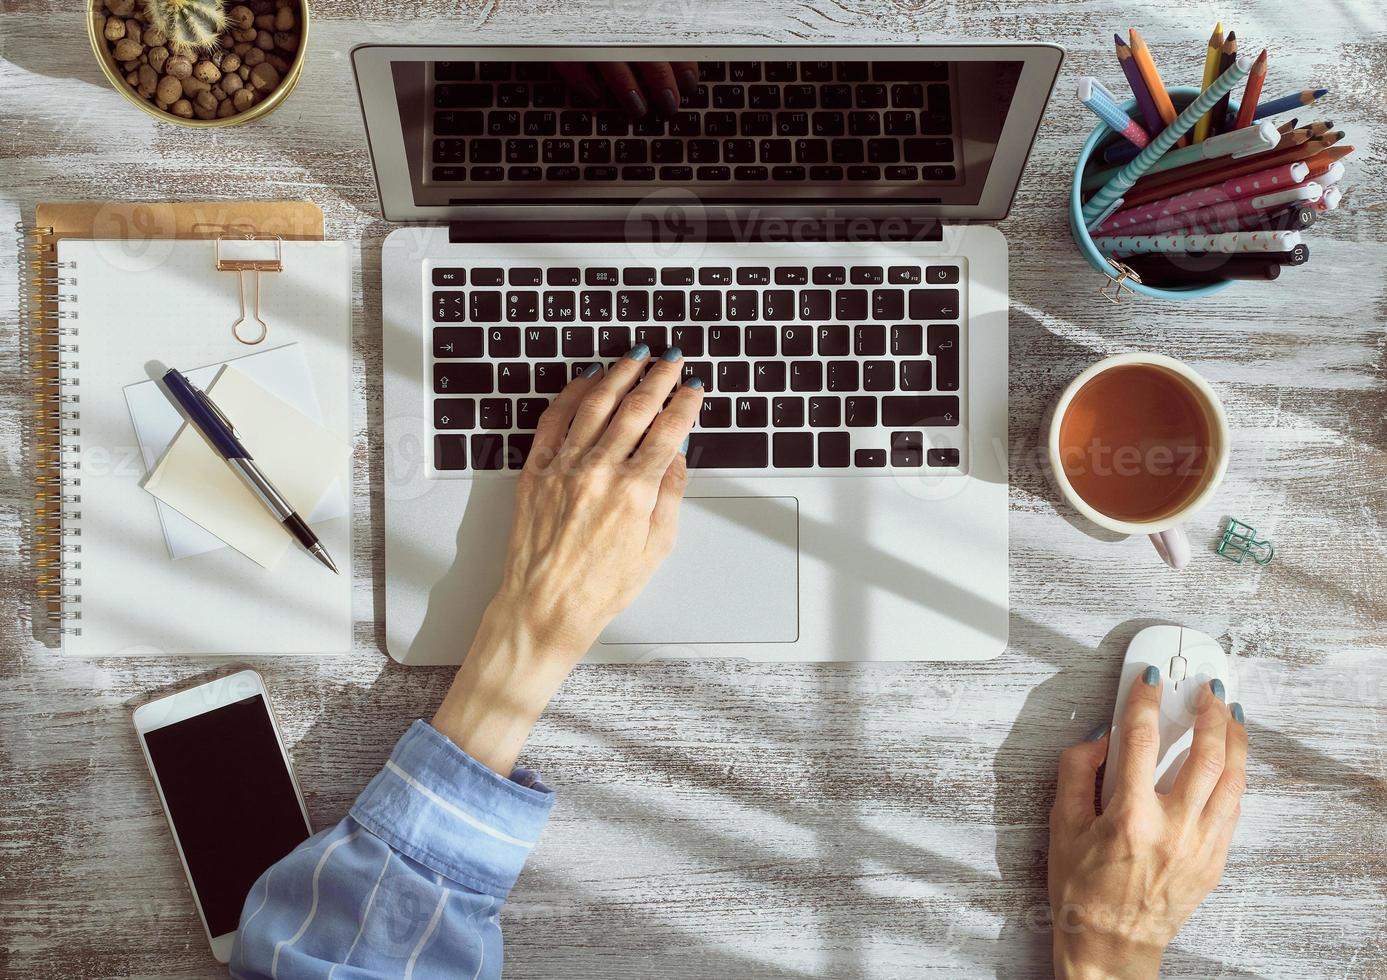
{"x": 811, "y": 228}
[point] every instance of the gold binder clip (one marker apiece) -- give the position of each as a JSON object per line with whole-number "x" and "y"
{"x": 256, "y": 266}
{"x": 1124, "y": 272}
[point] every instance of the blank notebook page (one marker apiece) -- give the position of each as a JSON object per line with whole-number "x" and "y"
{"x": 137, "y": 308}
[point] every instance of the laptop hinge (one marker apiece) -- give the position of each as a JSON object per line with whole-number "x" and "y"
{"x": 672, "y": 229}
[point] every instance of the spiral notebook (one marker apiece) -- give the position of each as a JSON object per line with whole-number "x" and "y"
{"x": 109, "y": 312}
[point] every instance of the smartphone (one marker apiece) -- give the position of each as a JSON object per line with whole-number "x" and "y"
{"x": 228, "y": 791}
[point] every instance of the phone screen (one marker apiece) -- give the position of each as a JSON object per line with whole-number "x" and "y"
{"x": 232, "y": 801}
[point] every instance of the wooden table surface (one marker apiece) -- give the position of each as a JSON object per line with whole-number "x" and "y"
{"x": 725, "y": 820}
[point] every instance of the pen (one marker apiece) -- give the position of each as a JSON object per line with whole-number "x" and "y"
{"x": 1103, "y": 105}
{"x": 217, "y": 429}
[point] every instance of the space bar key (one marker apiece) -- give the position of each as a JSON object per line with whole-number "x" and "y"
{"x": 727, "y": 450}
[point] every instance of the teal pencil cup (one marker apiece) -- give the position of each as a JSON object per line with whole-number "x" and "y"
{"x": 1182, "y": 96}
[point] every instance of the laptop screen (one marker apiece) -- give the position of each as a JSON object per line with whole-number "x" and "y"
{"x": 872, "y": 126}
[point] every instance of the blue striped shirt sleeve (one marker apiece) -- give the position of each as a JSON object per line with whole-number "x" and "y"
{"x": 409, "y": 884}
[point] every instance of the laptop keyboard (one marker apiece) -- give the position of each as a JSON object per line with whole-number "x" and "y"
{"x": 850, "y": 366}
{"x": 807, "y": 121}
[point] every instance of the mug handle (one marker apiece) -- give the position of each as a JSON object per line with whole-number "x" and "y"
{"x": 1173, "y": 546}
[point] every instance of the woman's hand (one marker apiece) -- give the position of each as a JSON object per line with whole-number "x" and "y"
{"x": 635, "y": 86}
{"x": 1122, "y": 884}
{"x": 597, "y": 507}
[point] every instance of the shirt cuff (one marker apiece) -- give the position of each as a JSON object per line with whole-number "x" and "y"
{"x": 437, "y": 805}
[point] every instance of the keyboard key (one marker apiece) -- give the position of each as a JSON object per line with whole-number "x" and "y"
{"x": 704, "y": 151}
{"x": 562, "y": 276}
{"x": 815, "y": 304}
{"x": 518, "y": 446}
{"x": 715, "y": 413}
{"x": 668, "y": 305}
{"x": 871, "y": 96}
{"x": 829, "y": 275}
{"x": 753, "y": 275}
{"x": 742, "y": 304}
{"x": 878, "y": 375}
{"x": 578, "y": 368}
{"x": 827, "y": 124}
{"x": 729, "y": 97}
{"x": 575, "y": 122}
{"x": 793, "y": 450}
{"x": 705, "y": 305}
{"x": 865, "y": 124}
{"x": 906, "y": 172}
{"x": 760, "y": 341}
{"x": 703, "y": 370}
{"x": 778, "y": 304}
{"x": 525, "y": 173}
{"x": 638, "y": 276}
{"x": 578, "y": 342}
{"x": 522, "y": 306}
{"x": 833, "y": 340}
{"x": 631, "y": 151}
{"x": 936, "y": 275}
{"x": 484, "y": 307}
{"x": 780, "y": 71}
{"x": 727, "y": 450}
{"x": 796, "y": 341}
{"x": 826, "y": 411}
{"x": 910, "y": 71}
{"x": 450, "y": 277}
{"x": 503, "y": 342}
{"x": 601, "y": 276}
{"x": 734, "y": 376}
{"x": 599, "y": 173}
{"x": 522, "y": 151}
{"x": 791, "y": 124}
{"x": 503, "y": 122}
{"x": 769, "y": 375}
{"x": 725, "y": 341}
{"x": 806, "y": 376}
{"x": 866, "y": 275}
{"x": 541, "y": 342}
{"x": 595, "y": 306}
{"x": 528, "y": 411}
{"x": 883, "y": 151}
{"x": 715, "y": 276}
{"x": 688, "y": 339}
{"x": 744, "y": 71}
{"x": 907, "y": 449}
{"x": 559, "y": 305}
{"x": 928, "y": 149}
{"x": 811, "y": 151}
{"x": 513, "y": 379}
{"x": 834, "y": 450}
{"x": 550, "y": 377}
{"x": 763, "y": 97}
{"x": 632, "y": 304}
{"x": 915, "y": 376}
{"x": 775, "y": 151}
{"x": 720, "y": 124}
{"x": 942, "y": 457}
{"x": 458, "y": 341}
{"x": 846, "y": 151}
{"x": 800, "y": 97}
{"x": 488, "y": 452}
{"x": 751, "y": 173}
{"x": 888, "y": 304}
{"x": 816, "y": 71}
{"x": 684, "y": 124}
{"x": 613, "y": 341}
{"x": 869, "y": 340}
{"x": 612, "y": 124}
{"x": 454, "y": 413}
{"x": 594, "y": 151}
{"x": 860, "y": 411}
{"x": 898, "y": 123}
{"x": 835, "y": 96}
{"x": 712, "y": 71}
{"x": 656, "y": 338}
{"x": 496, "y": 413}
{"x": 677, "y": 276}
{"x": 907, "y": 340}
{"x": 525, "y": 277}
{"x": 933, "y": 304}
{"x": 921, "y": 410}
{"x": 864, "y": 173}
{"x": 787, "y": 412}
{"x": 751, "y": 413}
{"x": 851, "y": 304}
{"x": 450, "y": 452}
{"x": 842, "y": 375}
{"x": 904, "y": 274}
{"x": 666, "y": 151}
{"x": 869, "y": 458}
{"x": 943, "y": 345}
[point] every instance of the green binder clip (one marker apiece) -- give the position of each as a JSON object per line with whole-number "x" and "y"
{"x": 1239, "y": 541}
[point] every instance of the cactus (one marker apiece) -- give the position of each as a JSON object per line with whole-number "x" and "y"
{"x": 189, "y": 25}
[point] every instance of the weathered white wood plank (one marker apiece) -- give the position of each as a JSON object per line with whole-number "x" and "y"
{"x": 774, "y": 821}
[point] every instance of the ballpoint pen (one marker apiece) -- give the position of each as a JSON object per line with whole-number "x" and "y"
{"x": 220, "y": 434}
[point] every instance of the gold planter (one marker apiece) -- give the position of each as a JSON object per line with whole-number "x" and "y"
{"x": 96, "y": 21}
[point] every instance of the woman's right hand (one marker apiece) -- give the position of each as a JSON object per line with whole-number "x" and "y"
{"x": 1123, "y": 883}
{"x": 636, "y": 85}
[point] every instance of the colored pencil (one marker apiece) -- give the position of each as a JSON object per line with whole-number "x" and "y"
{"x": 1129, "y": 174}
{"x": 1235, "y": 242}
{"x": 1219, "y": 113}
{"x": 1141, "y": 54}
{"x": 1287, "y": 102}
{"x": 1238, "y": 168}
{"x": 1149, "y": 114}
{"x": 1288, "y": 125}
{"x": 1321, "y": 163}
{"x": 1253, "y": 92}
{"x": 1185, "y": 270}
{"x": 1211, "y": 61}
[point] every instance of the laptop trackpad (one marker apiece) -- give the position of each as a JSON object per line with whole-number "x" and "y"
{"x": 733, "y": 577}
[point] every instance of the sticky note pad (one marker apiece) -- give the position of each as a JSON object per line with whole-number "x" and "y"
{"x": 298, "y": 455}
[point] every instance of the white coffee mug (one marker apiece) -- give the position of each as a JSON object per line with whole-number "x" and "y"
{"x": 1165, "y": 533}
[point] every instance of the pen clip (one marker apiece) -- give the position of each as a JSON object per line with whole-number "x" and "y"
{"x": 206, "y": 400}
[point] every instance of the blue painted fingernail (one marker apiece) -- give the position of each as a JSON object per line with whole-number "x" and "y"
{"x": 1237, "y": 710}
{"x": 1152, "y": 675}
{"x": 639, "y": 353}
{"x": 673, "y": 354}
{"x": 593, "y": 371}
{"x": 694, "y": 382}
{"x": 684, "y": 447}
{"x": 1098, "y": 732}
{"x": 1216, "y": 686}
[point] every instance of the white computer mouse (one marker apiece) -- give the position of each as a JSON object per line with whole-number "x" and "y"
{"x": 1188, "y": 661}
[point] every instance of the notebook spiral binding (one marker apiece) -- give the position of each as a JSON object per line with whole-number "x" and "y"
{"x": 54, "y": 431}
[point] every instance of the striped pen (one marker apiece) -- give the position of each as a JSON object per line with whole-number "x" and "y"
{"x": 1103, "y": 105}
{"x": 1255, "y": 139}
{"x": 1226, "y": 243}
{"x": 1262, "y": 182}
{"x": 1125, "y": 178}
